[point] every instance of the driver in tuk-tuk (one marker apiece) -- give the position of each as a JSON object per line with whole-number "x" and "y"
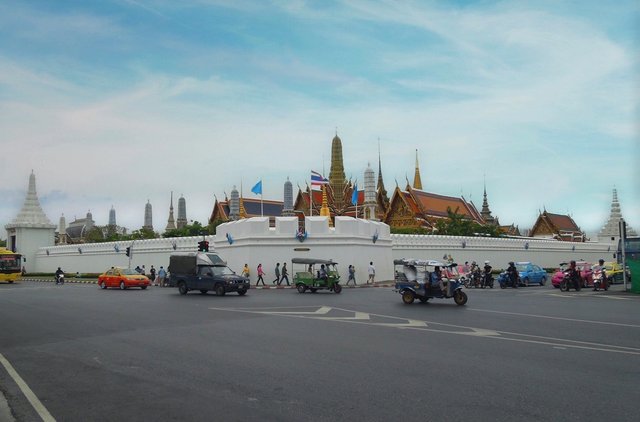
{"x": 436, "y": 280}
{"x": 323, "y": 274}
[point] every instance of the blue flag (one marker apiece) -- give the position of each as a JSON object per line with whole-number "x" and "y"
{"x": 257, "y": 189}
{"x": 354, "y": 197}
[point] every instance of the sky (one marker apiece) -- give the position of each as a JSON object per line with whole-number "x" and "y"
{"x": 120, "y": 102}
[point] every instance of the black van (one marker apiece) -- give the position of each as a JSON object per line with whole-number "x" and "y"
{"x": 204, "y": 271}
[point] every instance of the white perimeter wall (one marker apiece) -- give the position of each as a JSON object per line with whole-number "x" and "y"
{"x": 350, "y": 242}
{"x": 547, "y": 253}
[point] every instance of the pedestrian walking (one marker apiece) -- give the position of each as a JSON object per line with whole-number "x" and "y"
{"x": 246, "y": 273}
{"x": 277, "y": 280}
{"x": 352, "y": 275}
{"x": 285, "y": 274}
{"x": 372, "y": 273}
{"x": 260, "y": 274}
{"x": 152, "y": 274}
{"x": 162, "y": 275}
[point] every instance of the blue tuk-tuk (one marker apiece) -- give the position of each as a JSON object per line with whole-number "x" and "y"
{"x": 414, "y": 280}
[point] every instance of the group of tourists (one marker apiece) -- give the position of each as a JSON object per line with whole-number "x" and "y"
{"x": 282, "y": 274}
{"x": 157, "y": 278}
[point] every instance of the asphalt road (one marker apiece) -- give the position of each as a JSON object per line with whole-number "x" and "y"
{"x": 528, "y": 354}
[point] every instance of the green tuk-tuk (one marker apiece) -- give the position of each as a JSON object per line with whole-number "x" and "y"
{"x": 308, "y": 274}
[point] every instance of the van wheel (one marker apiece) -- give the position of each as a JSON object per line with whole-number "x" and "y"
{"x": 204, "y": 291}
{"x": 220, "y": 290}
{"x": 182, "y": 288}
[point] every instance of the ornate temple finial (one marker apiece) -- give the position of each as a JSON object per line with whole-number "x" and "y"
{"x": 417, "y": 181}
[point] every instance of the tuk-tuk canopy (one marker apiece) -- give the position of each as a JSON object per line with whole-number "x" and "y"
{"x": 423, "y": 262}
{"x": 312, "y": 261}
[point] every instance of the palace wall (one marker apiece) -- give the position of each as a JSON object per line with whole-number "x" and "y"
{"x": 351, "y": 241}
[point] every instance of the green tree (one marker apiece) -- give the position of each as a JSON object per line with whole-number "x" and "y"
{"x": 94, "y": 235}
{"x": 3, "y": 243}
{"x": 459, "y": 225}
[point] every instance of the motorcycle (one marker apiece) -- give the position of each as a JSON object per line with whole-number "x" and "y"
{"x": 473, "y": 279}
{"x": 60, "y": 278}
{"x": 569, "y": 281}
{"x": 599, "y": 281}
{"x": 505, "y": 281}
{"x": 487, "y": 281}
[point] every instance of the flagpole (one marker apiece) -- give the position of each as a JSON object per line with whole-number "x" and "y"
{"x": 261, "y": 204}
{"x": 311, "y": 200}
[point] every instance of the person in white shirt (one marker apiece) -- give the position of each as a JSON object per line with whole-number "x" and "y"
{"x": 372, "y": 273}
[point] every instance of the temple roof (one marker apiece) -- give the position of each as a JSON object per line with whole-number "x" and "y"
{"x": 31, "y": 214}
{"x": 252, "y": 208}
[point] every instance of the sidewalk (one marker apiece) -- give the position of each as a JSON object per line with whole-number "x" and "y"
{"x": 253, "y": 286}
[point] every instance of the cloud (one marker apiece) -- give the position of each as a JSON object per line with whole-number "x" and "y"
{"x": 532, "y": 99}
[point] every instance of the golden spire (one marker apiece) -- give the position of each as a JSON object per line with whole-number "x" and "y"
{"x": 324, "y": 211}
{"x": 417, "y": 182}
{"x": 243, "y": 212}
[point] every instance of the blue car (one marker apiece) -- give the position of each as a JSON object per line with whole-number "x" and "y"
{"x": 531, "y": 274}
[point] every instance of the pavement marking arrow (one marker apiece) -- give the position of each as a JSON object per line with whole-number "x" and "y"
{"x": 481, "y": 332}
{"x": 411, "y": 323}
{"x": 362, "y": 316}
{"x": 323, "y": 310}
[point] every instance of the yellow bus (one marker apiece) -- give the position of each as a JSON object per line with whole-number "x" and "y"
{"x": 10, "y": 265}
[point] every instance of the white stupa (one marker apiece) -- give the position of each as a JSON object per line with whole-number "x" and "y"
{"x": 31, "y": 229}
{"x": 610, "y": 233}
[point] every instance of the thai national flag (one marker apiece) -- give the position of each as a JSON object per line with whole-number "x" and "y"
{"x": 317, "y": 179}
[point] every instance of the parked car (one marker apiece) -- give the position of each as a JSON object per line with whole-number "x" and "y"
{"x": 614, "y": 272}
{"x": 531, "y": 274}
{"x": 122, "y": 278}
{"x": 558, "y": 275}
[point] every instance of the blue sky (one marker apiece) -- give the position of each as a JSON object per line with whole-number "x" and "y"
{"x": 119, "y": 102}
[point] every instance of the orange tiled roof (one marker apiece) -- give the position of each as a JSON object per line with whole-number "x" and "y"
{"x": 436, "y": 205}
{"x": 563, "y": 222}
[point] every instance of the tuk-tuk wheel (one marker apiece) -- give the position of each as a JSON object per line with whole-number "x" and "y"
{"x": 424, "y": 299}
{"x": 408, "y": 297}
{"x": 460, "y": 297}
{"x": 337, "y": 288}
{"x": 313, "y": 289}
{"x": 301, "y": 288}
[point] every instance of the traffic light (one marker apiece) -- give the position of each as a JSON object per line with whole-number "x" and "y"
{"x": 128, "y": 252}
{"x": 203, "y": 246}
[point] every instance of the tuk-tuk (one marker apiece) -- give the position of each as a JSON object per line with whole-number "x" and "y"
{"x": 413, "y": 281}
{"x": 308, "y": 275}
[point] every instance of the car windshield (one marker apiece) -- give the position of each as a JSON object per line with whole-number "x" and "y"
{"x": 221, "y": 271}
{"x": 129, "y": 271}
{"x": 522, "y": 267}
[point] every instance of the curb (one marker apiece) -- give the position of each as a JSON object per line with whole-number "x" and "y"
{"x": 358, "y": 286}
{"x": 253, "y": 287}
{"x": 44, "y": 280}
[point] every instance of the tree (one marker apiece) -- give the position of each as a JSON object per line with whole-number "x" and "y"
{"x": 458, "y": 225}
{"x": 3, "y": 243}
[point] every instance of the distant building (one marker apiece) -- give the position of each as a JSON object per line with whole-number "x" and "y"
{"x": 171, "y": 223}
{"x": 182, "y": 213}
{"x": 148, "y": 217}
{"x": 414, "y": 208}
{"x": 78, "y": 229}
{"x": 610, "y": 233}
{"x": 557, "y": 226}
{"x": 252, "y": 207}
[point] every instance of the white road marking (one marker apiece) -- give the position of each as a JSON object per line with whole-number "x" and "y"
{"x": 586, "y": 321}
{"x": 453, "y": 329}
{"x": 35, "y": 402}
